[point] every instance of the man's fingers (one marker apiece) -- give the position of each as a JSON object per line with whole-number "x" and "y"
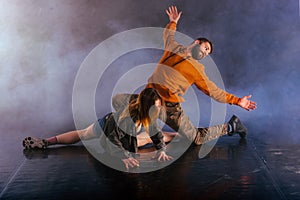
{"x": 168, "y": 12}
{"x": 249, "y": 96}
{"x": 172, "y": 10}
{"x": 252, "y": 105}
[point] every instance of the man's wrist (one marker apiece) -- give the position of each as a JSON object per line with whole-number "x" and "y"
{"x": 239, "y": 101}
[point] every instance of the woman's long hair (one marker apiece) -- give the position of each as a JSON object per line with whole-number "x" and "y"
{"x": 143, "y": 110}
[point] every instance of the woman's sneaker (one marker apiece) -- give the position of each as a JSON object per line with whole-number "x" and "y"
{"x": 34, "y": 143}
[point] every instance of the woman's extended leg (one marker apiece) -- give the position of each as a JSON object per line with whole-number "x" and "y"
{"x": 70, "y": 137}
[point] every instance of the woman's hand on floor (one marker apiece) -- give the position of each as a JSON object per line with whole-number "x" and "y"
{"x": 162, "y": 156}
{"x": 130, "y": 163}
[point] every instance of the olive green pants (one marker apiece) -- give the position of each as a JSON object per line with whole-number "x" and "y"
{"x": 178, "y": 121}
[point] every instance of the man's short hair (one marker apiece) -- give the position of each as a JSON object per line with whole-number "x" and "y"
{"x": 201, "y": 40}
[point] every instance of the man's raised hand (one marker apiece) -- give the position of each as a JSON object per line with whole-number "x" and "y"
{"x": 173, "y": 14}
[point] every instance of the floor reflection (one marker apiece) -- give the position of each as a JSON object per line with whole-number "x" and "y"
{"x": 233, "y": 169}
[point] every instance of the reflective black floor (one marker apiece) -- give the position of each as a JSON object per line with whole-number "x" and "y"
{"x": 234, "y": 169}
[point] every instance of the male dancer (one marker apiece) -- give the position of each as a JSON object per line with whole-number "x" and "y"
{"x": 176, "y": 71}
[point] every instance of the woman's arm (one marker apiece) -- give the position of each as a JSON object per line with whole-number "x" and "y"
{"x": 114, "y": 145}
{"x": 158, "y": 141}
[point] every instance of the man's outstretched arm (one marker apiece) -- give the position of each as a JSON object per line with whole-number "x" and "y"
{"x": 169, "y": 31}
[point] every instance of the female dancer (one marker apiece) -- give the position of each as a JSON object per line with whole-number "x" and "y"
{"x": 125, "y": 130}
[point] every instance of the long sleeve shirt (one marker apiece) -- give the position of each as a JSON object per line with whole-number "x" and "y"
{"x": 176, "y": 72}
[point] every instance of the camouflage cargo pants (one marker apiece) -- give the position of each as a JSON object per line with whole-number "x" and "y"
{"x": 178, "y": 121}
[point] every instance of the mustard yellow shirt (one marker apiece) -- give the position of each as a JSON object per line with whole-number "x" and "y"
{"x": 176, "y": 72}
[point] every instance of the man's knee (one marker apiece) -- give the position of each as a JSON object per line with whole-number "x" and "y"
{"x": 121, "y": 100}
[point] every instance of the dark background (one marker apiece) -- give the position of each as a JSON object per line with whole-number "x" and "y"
{"x": 256, "y": 50}
{"x": 43, "y": 43}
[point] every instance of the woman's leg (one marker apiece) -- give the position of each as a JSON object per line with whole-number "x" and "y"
{"x": 169, "y": 136}
{"x": 70, "y": 137}
{"x": 144, "y": 138}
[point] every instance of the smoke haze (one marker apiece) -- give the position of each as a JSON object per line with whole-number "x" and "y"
{"x": 43, "y": 43}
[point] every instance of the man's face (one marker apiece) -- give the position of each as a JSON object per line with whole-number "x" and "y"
{"x": 199, "y": 51}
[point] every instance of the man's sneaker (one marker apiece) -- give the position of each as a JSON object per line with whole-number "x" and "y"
{"x": 32, "y": 143}
{"x": 237, "y": 127}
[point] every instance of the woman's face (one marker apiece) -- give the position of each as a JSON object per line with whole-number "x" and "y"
{"x": 155, "y": 109}
{"x": 157, "y": 103}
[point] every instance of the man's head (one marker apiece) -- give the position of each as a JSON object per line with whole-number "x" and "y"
{"x": 201, "y": 47}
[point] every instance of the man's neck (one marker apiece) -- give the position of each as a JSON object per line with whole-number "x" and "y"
{"x": 189, "y": 51}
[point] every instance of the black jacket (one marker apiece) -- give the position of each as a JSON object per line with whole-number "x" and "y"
{"x": 120, "y": 140}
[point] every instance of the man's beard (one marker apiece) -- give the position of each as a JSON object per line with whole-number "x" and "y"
{"x": 197, "y": 53}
